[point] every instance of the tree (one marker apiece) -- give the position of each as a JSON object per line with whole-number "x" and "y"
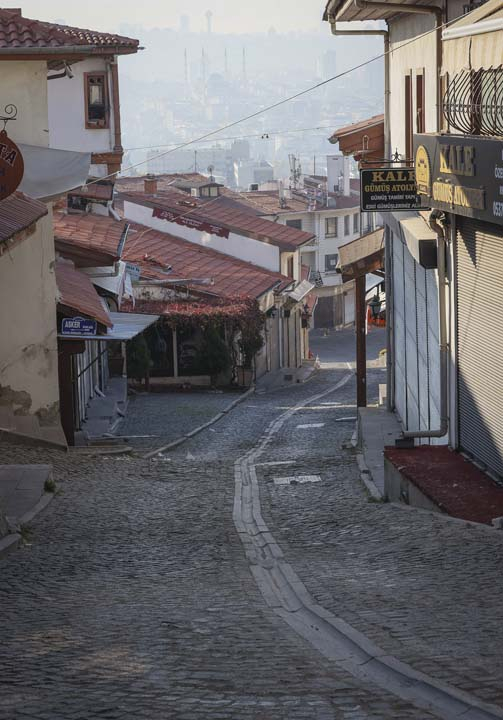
{"x": 214, "y": 354}
{"x": 138, "y": 356}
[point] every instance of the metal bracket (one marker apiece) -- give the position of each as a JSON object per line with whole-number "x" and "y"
{"x": 10, "y": 114}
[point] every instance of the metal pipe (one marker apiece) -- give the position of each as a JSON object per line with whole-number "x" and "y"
{"x": 385, "y": 35}
{"x": 442, "y": 323}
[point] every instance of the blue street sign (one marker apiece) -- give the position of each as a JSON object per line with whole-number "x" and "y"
{"x": 78, "y": 326}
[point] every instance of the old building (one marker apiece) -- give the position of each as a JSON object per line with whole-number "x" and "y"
{"x": 443, "y": 115}
{"x": 49, "y": 130}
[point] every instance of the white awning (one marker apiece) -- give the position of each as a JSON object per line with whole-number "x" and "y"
{"x": 49, "y": 173}
{"x": 302, "y": 289}
{"x": 125, "y": 327}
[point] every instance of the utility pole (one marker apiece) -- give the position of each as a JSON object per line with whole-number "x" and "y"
{"x": 195, "y": 160}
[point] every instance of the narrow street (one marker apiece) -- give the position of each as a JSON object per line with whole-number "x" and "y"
{"x": 135, "y": 597}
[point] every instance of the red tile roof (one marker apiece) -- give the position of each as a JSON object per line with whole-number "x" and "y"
{"x": 17, "y": 31}
{"x": 77, "y": 292}
{"x": 222, "y": 213}
{"x": 94, "y": 191}
{"x": 154, "y": 250}
{"x": 18, "y": 212}
{"x": 357, "y": 127}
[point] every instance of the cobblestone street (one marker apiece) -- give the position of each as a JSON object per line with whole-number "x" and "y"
{"x": 133, "y": 595}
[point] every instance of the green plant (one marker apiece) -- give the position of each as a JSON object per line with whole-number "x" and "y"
{"x": 214, "y": 355}
{"x": 49, "y": 486}
{"x": 251, "y": 342}
{"x": 139, "y": 360}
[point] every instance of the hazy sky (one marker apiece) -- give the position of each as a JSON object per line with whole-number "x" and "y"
{"x": 236, "y": 16}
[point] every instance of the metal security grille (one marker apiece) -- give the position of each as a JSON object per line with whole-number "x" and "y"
{"x": 473, "y": 103}
{"x": 479, "y": 287}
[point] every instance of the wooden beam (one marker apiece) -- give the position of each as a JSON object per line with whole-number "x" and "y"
{"x": 361, "y": 349}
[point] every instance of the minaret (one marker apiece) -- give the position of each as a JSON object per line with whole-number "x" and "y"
{"x": 226, "y": 65}
{"x": 244, "y": 66}
{"x": 209, "y": 16}
{"x": 185, "y": 69}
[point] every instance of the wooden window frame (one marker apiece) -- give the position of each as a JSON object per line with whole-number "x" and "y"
{"x": 329, "y": 268}
{"x": 420, "y": 102}
{"x": 336, "y": 226}
{"x": 97, "y": 124}
{"x": 408, "y": 116}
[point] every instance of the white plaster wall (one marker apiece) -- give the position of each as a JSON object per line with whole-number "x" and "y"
{"x": 24, "y": 84}
{"x": 416, "y": 56}
{"x": 28, "y": 351}
{"x": 67, "y": 115}
{"x": 239, "y": 246}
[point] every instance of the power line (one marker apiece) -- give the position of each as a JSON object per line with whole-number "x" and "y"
{"x": 265, "y": 135}
{"x": 279, "y": 103}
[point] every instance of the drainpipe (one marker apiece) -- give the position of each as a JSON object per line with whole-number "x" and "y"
{"x": 385, "y": 35}
{"x": 417, "y": 10}
{"x": 435, "y": 224}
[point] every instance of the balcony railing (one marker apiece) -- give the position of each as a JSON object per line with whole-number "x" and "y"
{"x": 473, "y": 103}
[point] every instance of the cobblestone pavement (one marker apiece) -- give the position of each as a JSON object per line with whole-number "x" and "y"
{"x": 133, "y": 599}
{"x": 163, "y": 418}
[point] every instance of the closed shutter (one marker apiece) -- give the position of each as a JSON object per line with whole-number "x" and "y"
{"x": 479, "y": 265}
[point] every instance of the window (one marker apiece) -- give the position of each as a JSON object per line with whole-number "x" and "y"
{"x": 96, "y": 98}
{"x": 331, "y": 262}
{"x": 289, "y": 267}
{"x": 331, "y": 227}
{"x": 408, "y": 117}
{"x": 356, "y": 223}
{"x": 295, "y": 224}
{"x": 346, "y": 224}
{"x": 420, "y": 119}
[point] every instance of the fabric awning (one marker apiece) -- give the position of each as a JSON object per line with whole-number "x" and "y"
{"x": 126, "y": 326}
{"x": 474, "y": 41}
{"x": 361, "y": 256}
{"x": 420, "y": 240}
{"x": 49, "y": 172}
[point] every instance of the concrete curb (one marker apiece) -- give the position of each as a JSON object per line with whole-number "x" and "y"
{"x": 444, "y": 516}
{"x": 286, "y": 594}
{"x": 200, "y": 428}
{"x": 366, "y": 478}
{"x": 11, "y": 542}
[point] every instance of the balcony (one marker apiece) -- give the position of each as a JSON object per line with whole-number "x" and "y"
{"x": 473, "y": 103}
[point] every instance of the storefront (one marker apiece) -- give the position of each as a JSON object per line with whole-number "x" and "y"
{"x": 463, "y": 177}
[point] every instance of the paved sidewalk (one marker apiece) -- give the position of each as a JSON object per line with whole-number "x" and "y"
{"x": 163, "y": 417}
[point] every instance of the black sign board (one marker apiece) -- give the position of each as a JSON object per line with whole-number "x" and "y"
{"x": 461, "y": 174}
{"x": 388, "y": 190}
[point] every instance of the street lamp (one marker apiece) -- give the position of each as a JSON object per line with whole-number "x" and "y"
{"x": 375, "y": 306}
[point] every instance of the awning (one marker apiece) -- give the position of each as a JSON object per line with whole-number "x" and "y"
{"x": 125, "y": 327}
{"x": 420, "y": 240}
{"x": 49, "y": 173}
{"x": 475, "y": 40}
{"x": 361, "y": 256}
{"x": 300, "y": 292}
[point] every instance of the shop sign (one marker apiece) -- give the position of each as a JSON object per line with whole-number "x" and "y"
{"x": 79, "y": 326}
{"x": 134, "y": 271}
{"x": 190, "y": 222}
{"x": 11, "y": 166}
{"x": 461, "y": 174}
{"x": 388, "y": 190}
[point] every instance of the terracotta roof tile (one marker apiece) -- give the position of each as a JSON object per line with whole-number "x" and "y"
{"x": 154, "y": 250}
{"x": 17, "y": 212}
{"x": 357, "y": 127}
{"x": 222, "y": 213}
{"x": 76, "y": 291}
{"x": 17, "y": 31}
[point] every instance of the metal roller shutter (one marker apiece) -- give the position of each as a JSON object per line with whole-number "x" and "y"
{"x": 479, "y": 286}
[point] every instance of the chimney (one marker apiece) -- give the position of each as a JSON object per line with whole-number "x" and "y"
{"x": 150, "y": 184}
{"x": 17, "y": 12}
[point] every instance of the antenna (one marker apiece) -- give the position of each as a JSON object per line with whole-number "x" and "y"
{"x": 195, "y": 160}
{"x": 295, "y": 171}
{"x": 210, "y": 170}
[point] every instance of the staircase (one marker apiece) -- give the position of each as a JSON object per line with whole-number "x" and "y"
{"x": 26, "y": 429}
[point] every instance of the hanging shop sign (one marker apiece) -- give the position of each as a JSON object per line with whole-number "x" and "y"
{"x": 134, "y": 271}
{"x": 11, "y": 166}
{"x": 461, "y": 175}
{"x": 190, "y": 222}
{"x": 79, "y": 326}
{"x": 388, "y": 190}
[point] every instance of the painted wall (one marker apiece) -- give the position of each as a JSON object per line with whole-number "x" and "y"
{"x": 416, "y": 57}
{"x": 67, "y": 115}
{"x": 239, "y": 246}
{"x": 28, "y": 352}
{"x": 24, "y": 84}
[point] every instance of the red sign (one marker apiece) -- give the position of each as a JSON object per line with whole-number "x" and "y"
{"x": 190, "y": 222}
{"x": 11, "y": 166}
